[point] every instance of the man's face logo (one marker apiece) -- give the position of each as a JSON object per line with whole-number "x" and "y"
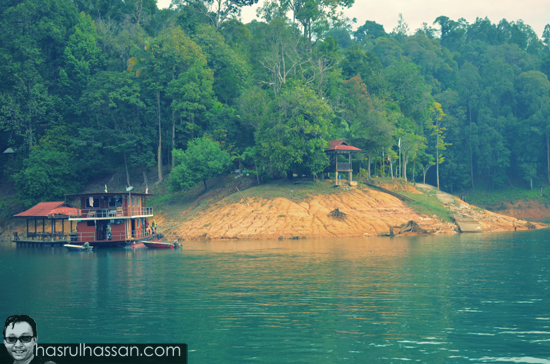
{"x": 20, "y": 341}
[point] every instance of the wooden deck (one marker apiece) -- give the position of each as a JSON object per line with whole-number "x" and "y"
{"x": 40, "y": 243}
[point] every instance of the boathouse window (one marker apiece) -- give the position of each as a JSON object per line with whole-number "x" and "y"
{"x": 90, "y": 223}
{"x": 115, "y": 201}
{"x": 94, "y": 200}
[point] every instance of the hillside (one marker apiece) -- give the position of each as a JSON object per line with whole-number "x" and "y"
{"x": 235, "y": 207}
{"x": 302, "y": 209}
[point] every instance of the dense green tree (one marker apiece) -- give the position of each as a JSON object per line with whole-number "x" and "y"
{"x": 83, "y": 58}
{"x": 294, "y": 134}
{"x": 279, "y": 88}
{"x": 456, "y": 172}
{"x": 116, "y": 128}
{"x": 341, "y": 35}
{"x": 278, "y": 54}
{"x": 469, "y": 90}
{"x": 364, "y": 120}
{"x": 369, "y": 30}
{"x": 533, "y": 95}
{"x": 161, "y": 62}
{"x": 365, "y": 64}
{"x": 388, "y": 51}
{"x": 435, "y": 126}
{"x": 51, "y": 169}
{"x": 217, "y": 12}
{"x": 408, "y": 89}
{"x": 231, "y": 72}
{"x": 453, "y": 33}
{"x": 436, "y": 63}
{"x": 316, "y": 16}
{"x": 202, "y": 160}
{"x": 34, "y": 37}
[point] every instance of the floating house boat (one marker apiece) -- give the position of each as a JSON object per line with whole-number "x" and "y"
{"x": 109, "y": 219}
{"x": 100, "y": 219}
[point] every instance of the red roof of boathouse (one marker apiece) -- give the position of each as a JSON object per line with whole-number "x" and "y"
{"x": 48, "y": 210}
{"x": 342, "y": 145}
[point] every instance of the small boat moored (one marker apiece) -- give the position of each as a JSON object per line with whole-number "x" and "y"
{"x": 76, "y": 247}
{"x": 159, "y": 244}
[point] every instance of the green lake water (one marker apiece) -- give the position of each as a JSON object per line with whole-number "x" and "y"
{"x": 479, "y": 298}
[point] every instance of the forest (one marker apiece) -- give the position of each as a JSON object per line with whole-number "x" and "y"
{"x": 94, "y": 86}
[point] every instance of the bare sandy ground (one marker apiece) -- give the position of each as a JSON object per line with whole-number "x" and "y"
{"x": 367, "y": 212}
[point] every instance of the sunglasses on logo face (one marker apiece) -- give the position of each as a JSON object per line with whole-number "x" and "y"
{"x": 23, "y": 338}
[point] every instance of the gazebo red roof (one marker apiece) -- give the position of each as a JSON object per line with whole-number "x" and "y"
{"x": 342, "y": 145}
{"x": 48, "y": 210}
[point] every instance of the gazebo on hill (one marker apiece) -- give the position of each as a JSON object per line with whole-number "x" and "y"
{"x": 339, "y": 156}
{"x": 53, "y": 211}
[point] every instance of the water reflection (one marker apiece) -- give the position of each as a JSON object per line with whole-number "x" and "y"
{"x": 442, "y": 299}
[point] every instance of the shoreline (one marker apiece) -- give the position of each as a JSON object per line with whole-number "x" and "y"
{"x": 367, "y": 213}
{"x": 306, "y": 210}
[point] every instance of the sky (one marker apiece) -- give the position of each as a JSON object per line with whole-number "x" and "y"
{"x": 535, "y": 13}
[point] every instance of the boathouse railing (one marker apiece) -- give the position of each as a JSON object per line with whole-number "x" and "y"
{"x": 115, "y": 236}
{"x": 47, "y": 236}
{"x": 112, "y": 213}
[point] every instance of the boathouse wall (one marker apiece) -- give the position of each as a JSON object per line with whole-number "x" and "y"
{"x": 117, "y": 230}
{"x": 85, "y": 232}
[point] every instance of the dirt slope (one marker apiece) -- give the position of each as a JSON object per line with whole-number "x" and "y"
{"x": 368, "y": 213}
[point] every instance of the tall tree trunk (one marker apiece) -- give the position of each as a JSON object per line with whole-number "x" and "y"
{"x": 127, "y": 173}
{"x": 471, "y": 150}
{"x": 30, "y": 129}
{"x": 369, "y": 176}
{"x": 160, "y": 140}
{"x": 173, "y": 136}
{"x": 257, "y": 173}
{"x": 437, "y": 159}
{"x": 173, "y": 123}
{"x": 205, "y": 186}
{"x": 30, "y": 116}
{"x": 144, "y": 171}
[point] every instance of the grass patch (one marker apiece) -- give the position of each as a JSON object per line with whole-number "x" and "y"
{"x": 494, "y": 198}
{"x": 428, "y": 204}
{"x": 163, "y": 199}
{"x": 296, "y": 190}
